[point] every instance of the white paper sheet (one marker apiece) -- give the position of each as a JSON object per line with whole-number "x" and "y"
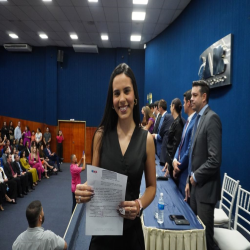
{"x": 101, "y": 212}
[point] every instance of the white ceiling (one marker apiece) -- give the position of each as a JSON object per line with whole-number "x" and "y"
{"x": 59, "y": 18}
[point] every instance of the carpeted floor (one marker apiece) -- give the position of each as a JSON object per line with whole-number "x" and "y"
{"x": 56, "y": 198}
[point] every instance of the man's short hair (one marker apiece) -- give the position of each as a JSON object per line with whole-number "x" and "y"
{"x": 156, "y": 104}
{"x": 47, "y": 143}
{"x": 204, "y": 88}
{"x": 8, "y": 154}
{"x": 163, "y": 104}
{"x": 5, "y": 149}
{"x": 16, "y": 155}
{"x": 32, "y": 213}
{"x": 151, "y": 105}
{"x": 71, "y": 157}
{"x": 187, "y": 95}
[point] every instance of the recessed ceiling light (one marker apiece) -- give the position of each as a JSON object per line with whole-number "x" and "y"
{"x": 12, "y": 35}
{"x": 140, "y": 1}
{"x": 3, "y": 0}
{"x": 135, "y": 38}
{"x": 104, "y": 37}
{"x": 74, "y": 36}
{"x": 47, "y": 0}
{"x": 94, "y": 1}
{"x": 139, "y": 16}
{"x": 145, "y": 46}
{"x": 43, "y": 36}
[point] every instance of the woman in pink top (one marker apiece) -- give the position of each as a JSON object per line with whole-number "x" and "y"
{"x": 75, "y": 171}
{"x": 35, "y": 162}
{"x": 59, "y": 139}
{"x": 26, "y": 135}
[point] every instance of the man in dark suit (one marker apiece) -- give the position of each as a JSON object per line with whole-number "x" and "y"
{"x": 162, "y": 107}
{"x": 12, "y": 175}
{"x": 204, "y": 160}
{"x": 157, "y": 117}
{"x": 21, "y": 171}
{"x": 52, "y": 157}
{"x": 180, "y": 162}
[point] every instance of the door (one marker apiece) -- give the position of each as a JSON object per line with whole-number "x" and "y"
{"x": 74, "y": 133}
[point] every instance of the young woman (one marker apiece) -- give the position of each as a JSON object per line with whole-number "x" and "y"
{"x": 120, "y": 145}
{"x": 59, "y": 139}
{"x": 35, "y": 162}
{"x": 143, "y": 122}
{"x": 20, "y": 147}
{"x": 5, "y": 184}
{"x": 150, "y": 119}
{"x": 27, "y": 166}
{"x": 174, "y": 135}
{"x": 45, "y": 161}
{"x": 26, "y": 135}
{"x": 27, "y": 149}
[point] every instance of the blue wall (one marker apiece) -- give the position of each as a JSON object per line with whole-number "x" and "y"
{"x": 35, "y": 87}
{"x": 172, "y": 63}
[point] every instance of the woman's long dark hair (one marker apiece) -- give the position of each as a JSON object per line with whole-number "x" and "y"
{"x": 110, "y": 117}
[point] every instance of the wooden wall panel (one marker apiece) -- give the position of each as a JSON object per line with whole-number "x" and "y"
{"x": 90, "y": 131}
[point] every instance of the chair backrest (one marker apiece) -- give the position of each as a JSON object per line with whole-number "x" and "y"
{"x": 242, "y": 205}
{"x": 228, "y": 194}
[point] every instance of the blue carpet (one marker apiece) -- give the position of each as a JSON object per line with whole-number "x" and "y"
{"x": 56, "y": 198}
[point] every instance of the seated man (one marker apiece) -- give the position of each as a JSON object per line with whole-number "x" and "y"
{"x": 4, "y": 156}
{"x": 52, "y": 156}
{"x": 21, "y": 171}
{"x": 35, "y": 237}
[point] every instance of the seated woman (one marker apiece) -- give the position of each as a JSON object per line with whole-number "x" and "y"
{"x": 38, "y": 137}
{"x": 13, "y": 153}
{"x": 26, "y": 135}
{"x": 26, "y": 165}
{"x": 14, "y": 144}
{"x": 45, "y": 161}
{"x": 2, "y": 144}
{"x": 174, "y": 135}
{"x": 9, "y": 195}
{"x": 150, "y": 119}
{"x": 35, "y": 162}
{"x": 20, "y": 147}
{"x": 27, "y": 149}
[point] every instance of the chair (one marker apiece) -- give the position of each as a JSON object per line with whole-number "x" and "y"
{"x": 228, "y": 193}
{"x": 232, "y": 239}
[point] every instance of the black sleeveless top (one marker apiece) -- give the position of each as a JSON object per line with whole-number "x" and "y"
{"x": 132, "y": 165}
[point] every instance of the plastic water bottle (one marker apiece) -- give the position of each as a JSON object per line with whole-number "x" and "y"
{"x": 160, "y": 219}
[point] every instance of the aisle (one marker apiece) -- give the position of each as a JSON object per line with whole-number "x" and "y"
{"x": 56, "y": 198}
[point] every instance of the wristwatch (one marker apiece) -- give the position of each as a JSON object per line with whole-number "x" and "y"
{"x": 141, "y": 208}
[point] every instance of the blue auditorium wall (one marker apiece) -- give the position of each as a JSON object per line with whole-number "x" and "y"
{"x": 35, "y": 87}
{"x": 172, "y": 63}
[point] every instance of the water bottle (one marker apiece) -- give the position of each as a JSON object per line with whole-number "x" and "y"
{"x": 160, "y": 219}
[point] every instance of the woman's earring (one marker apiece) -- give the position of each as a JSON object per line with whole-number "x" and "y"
{"x": 135, "y": 102}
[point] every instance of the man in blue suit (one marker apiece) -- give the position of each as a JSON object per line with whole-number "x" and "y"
{"x": 180, "y": 162}
{"x": 162, "y": 107}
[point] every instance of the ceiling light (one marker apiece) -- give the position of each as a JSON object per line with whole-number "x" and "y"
{"x": 43, "y": 36}
{"x": 12, "y": 35}
{"x": 94, "y": 1}
{"x": 74, "y": 36}
{"x": 145, "y": 46}
{"x": 135, "y": 38}
{"x": 3, "y": 0}
{"x": 138, "y": 16}
{"x": 104, "y": 37}
{"x": 140, "y": 1}
{"x": 47, "y": 0}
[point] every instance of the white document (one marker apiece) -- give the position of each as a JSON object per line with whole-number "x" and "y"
{"x": 101, "y": 212}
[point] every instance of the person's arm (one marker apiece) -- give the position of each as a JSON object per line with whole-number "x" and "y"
{"x": 49, "y": 138}
{"x": 214, "y": 150}
{"x": 41, "y": 137}
{"x": 84, "y": 163}
{"x": 15, "y": 133}
{"x": 65, "y": 246}
{"x": 83, "y": 190}
{"x": 44, "y": 140}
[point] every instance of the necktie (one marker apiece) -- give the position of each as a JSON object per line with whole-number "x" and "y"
{"x": 182, "y": 139}
{"x": 192, "y": 140}
{"x": 20, "y": 167}
{"x": 12, "y": 172}
{"x": 49, "y": 151}
{"x": 157, "y": 122}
